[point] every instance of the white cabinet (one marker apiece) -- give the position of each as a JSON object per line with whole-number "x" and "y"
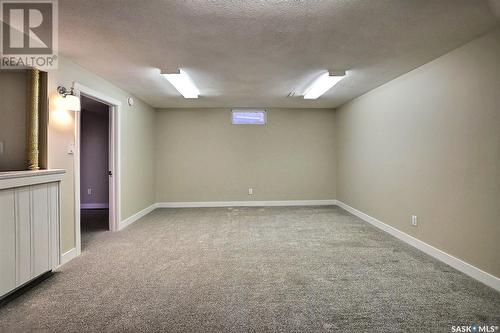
{"x": 29, "y": 226}
{"x": 7, "y": 242}
{"x": 23, "y": 235}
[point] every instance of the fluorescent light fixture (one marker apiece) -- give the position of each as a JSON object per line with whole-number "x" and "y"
{"x": 248, "y": 117}
{"x": 182, "y": 82}
{"x": 323, "y": 83}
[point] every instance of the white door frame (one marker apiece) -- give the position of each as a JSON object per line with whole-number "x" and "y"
{"x": 114, "y": 160}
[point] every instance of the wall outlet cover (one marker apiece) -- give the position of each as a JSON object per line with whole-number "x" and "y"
{"x": 414, "y": 220}
{"x": 71, "y": 149}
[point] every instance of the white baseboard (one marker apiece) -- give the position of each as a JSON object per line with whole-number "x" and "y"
{"x": 94, "y": 205}
{"x": 128, "y": 221}
{"x": 245, "y": 203}
{"x": 68, "y": 256}
{"x": 462, "y": 266}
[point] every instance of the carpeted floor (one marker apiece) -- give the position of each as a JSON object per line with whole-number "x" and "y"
{"x": 282, "y": 269}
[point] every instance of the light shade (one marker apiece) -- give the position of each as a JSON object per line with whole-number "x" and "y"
{"x": 71, "y": 103}
{"x": 183, "y": 84}
{"x": 323, "y": 83}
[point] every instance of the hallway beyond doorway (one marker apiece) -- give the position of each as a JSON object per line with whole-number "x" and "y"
{"x": 93, "y": 222}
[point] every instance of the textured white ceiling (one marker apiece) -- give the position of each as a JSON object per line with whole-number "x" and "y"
{"x": 254, "y": 53}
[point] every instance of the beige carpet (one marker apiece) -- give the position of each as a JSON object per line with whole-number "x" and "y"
{"x": 295, "y": 269}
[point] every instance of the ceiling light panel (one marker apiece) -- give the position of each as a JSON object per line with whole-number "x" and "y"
{"x": 323, "y": 83}
{"x": 183, "y": 83}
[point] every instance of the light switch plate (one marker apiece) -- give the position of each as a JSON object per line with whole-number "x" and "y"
{"x": 71, "y": 149}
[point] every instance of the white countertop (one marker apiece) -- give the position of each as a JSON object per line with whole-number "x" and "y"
{"x": 30, "y": 173}
{"x": 11, "y": 179}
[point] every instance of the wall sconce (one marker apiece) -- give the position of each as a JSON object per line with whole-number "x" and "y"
{"x": 70, "y": 102}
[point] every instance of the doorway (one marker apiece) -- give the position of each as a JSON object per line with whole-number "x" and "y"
{"x": 94, "y": 169}
{"x": 100, "y": 212}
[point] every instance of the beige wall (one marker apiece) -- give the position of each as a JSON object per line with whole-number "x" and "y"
{"x": 137, "y": 142}
{"x": 428, "y": 143}
{"x": 13, "y": 89}
{"x": 202, "y": 157}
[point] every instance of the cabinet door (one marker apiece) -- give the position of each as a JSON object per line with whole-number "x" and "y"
{"x": 23, "y": 226}
{"x": 54, "y": 224}
{"x": 40, "y": 226}
{"x": 7, "y": 242}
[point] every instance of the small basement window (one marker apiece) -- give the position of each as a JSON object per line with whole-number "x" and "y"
{"x": 249, "y": 117}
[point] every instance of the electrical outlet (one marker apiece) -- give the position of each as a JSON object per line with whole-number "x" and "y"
{"x": 414, "y": 220}
{"x": 250, "y": 191}
{"x": 89, "y": 191}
